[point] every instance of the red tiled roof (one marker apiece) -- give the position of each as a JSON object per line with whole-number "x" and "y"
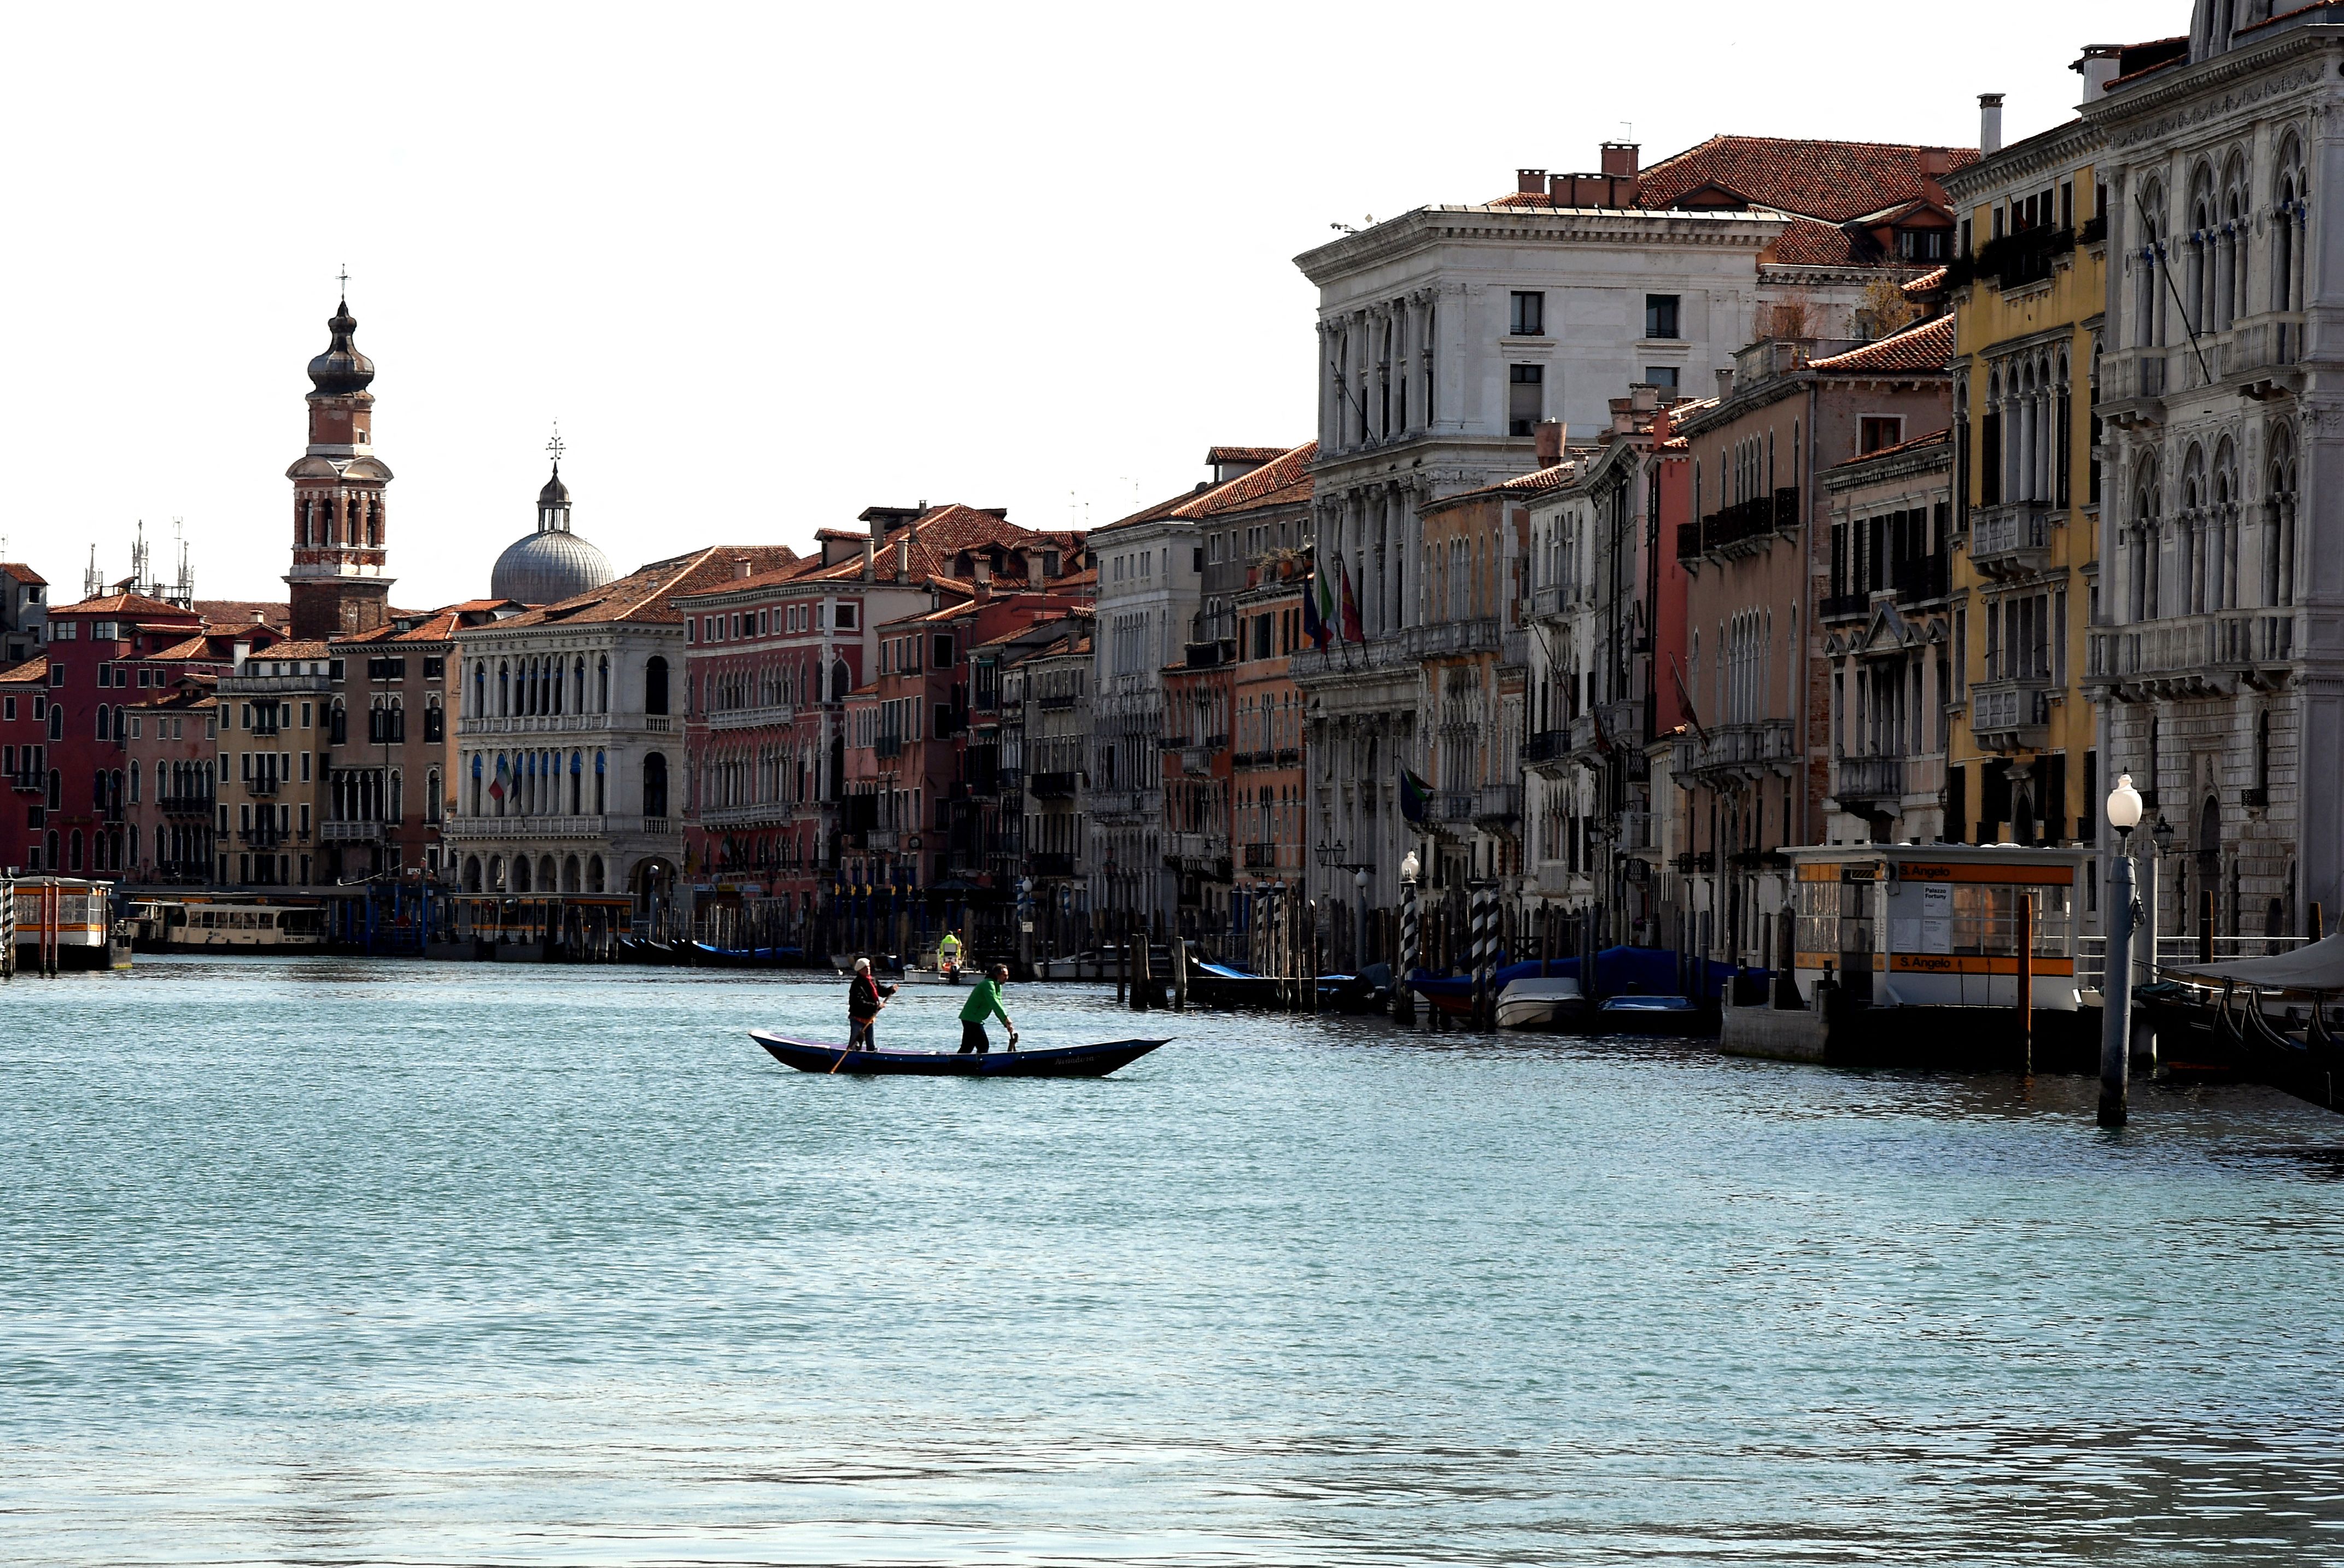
{"x": 1539, "y": 481}
{"x": 936, "y": 536}
{"x": 1928, "y": 346}
{"x": 22, "y": 573}
{"x": 1928, "y": 282}
{"x": 1216, "y": 455}
{"x": 270, "y": 612}
{"x": 1807, "y": 243}
{"x": 1933, "y": 438}
{"x": 303, "y": 648}
{"x": 1275, "y": 483}
{"x": 131, "y": 604}
{"x": 649, "y": 593}
{"x": 1828, "y": 180}
{"x": 32, "y": 672}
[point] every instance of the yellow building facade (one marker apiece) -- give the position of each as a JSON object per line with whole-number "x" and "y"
{"x": 2028, "y": 284}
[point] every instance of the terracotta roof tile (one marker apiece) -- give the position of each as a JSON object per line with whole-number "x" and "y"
{"x": 22, "y": 573}
{"x": 1831, "y": 181}
{"x": 1928, "y": 346}
{"x": 33, "y": 672}
{"x": 1216, "y": 455}
{"x": 273, "y": 613}
{"x": 1807, "y": 243}
{"x": 1275, "y": 483}
{"x": 936, "y": 536}
{"x": 648, "y": 594}
{"x": 1933, "y": 438}
{"x": 297, "y": 648}
{"x": 133, "y": 604}
{"x": 1929, "y": 282}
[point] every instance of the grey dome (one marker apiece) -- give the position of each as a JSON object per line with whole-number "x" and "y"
{"x": 546, "y": 567}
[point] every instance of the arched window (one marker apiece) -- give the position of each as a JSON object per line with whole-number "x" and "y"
{"x": 655, "y": 689}
{"x": 2146, "y": 511}
{"x": 2222, "y": 522}
{"x": 655, "y": 785}
{"x": 474, "y": 809}
{"x": 433, "y": 807}
{"x": 520, "y": 874}
{"x": 2279, "y": 520}
{"x": 471, "y": 873}
{"x": 479, "y": 687}
{"x": 577, "y": 780}
{"x": 602, "y": 680}
{"x": 2148, "y": 330}
{"x": 594, "y": 874}
{"x": 839, "y": 683}
{"x": 577, "y": 686}
{"x": 601, "y": 794}
{"x": 104, "y": 722}
{"x": 504, "y": 690}
{"x": 2197, "y": 290}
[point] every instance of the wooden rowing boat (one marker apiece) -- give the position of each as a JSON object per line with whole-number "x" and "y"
{"x": 1093, "y": 1061}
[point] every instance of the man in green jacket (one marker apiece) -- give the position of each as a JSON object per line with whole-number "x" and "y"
{"x": 984, "y": 1002}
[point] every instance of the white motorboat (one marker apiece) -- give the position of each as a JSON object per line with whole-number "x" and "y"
{"x": 1536, "y": 1002}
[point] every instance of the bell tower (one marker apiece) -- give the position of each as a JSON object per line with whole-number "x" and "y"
{"x": 340, "y": 529}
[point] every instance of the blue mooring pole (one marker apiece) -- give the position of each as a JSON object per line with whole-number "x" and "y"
{"x": 2116, "y": 992}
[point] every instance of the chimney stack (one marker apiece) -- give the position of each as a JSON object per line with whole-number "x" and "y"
{"x": 1724, "y": 383}
{"x": 1549, "y": 435}
{"x": 1989, "y": 123}
{"x": 1620, "y": 160}
{"x": 1529, "y": 181}
{"x": 869, "y": 566}
{"x": 740, "y": 566}
{"x": 1034, "y": 571}
{"x": 2101, "y": 64}
{"x": 904, "y": 556}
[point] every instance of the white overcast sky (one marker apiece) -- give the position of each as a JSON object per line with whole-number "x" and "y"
{"x": 770, "y": 265}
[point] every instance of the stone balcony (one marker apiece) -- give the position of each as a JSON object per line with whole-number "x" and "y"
{"x": 571, "y": 724}
{"x": 777, "y": 714}
{"x": 2010, "y": 541}
{"x": 1741, "y": 753}
{"x": 2210, "y": 656}
{"x": 1454, "y": 639}
{"x": 2012, "y": 714}
{"x": 463, "y": 828}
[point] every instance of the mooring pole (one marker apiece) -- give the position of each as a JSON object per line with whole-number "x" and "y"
{"x": 2116, "y": 994}
{"x": 1404, "y": 999}
{"x": 2026, "y": 983}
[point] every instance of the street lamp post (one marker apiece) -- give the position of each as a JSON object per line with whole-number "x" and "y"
{"x": 2116, "y": 982}
{"x": 1360, "y": 888}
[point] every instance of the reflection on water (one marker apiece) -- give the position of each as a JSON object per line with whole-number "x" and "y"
{"x": 317, "y": 1261}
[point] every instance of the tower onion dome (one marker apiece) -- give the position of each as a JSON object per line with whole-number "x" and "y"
{"x": 341, "y": 369}
{"x": 551, "y": 564}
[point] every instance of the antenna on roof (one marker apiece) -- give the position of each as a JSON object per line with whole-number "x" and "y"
{"x": 1627, "y": 130}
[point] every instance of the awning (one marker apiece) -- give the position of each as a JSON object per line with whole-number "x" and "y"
{"x": 2315, "y": 966}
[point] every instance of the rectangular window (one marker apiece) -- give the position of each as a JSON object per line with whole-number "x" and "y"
{"x": 305, "y": 769}
{"x": 1661, "y": 376}
{"x": 1530, "y": 316}
{"x": 845, "y": 617}
{"x": 1525, "y": 399}
{"x": 1659, "y": 315}
{"x": 2067, "y": 204}
{"x": 1881, "y": 430}
{"x": 691, "y": 630}
{"x": 1990, "y": 461}
{"x": 944, "y": 651}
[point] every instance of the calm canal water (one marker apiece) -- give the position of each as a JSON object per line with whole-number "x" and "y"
{"x": 321, "y": 1262}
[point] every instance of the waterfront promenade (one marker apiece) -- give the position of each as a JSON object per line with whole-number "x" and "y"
{"x": 321, "y": 1260}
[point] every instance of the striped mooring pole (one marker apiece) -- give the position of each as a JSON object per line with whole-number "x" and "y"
{"x": 1404, "y": 999}
{"x": 1481, "y": 921}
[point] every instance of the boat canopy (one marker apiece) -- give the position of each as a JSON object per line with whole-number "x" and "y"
{"x": 2316, "y": 966}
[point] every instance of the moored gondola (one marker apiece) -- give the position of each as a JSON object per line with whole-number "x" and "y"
{"x": 1091, "y": 1061}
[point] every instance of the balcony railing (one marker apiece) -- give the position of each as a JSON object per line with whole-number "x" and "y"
{"x": 2013, "y": 708}
{"x": 1059, "y": 785}
{"x": 480, "y": 827}
{"x": 1869, "y": 778}
{"x": 1844, "y": 606}
{"x": 1259, "y": 857}
{"x": 1498, "y": 803}
{"x": 1548, "y": 602}
{"x": 1744, "y": 521}
{"x": 887, "y": 747}
{"x": 1476, "y": 634}
{"x": 746, "y": 718}
{"x": 2191, "y": 648}
{"x": 2010, "y": 539}
{"x": 263, "y": 784}
{"x": 1922, "y": 578}
{"x": 659, "y": 825}
{"x": 350, "y": 832}
{"x": 1055, "y": 702}
{"x": 184, "y": 804}
{"x": 1455, "y": 805}
{"x": 1763, "y": 745}
{"x": 1546, "y": 746}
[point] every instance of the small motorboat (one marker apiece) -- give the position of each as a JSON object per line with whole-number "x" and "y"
{"x": 1226, "y": 986}
{"x": 1094, "y": 1061}
{"x": 1537, "y": 1002}
{"x": 1654, "y": 1016}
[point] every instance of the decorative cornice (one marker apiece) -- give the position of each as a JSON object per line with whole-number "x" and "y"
{"x": 2062, "y": 147}
{"x": 2187, "y": 96}
{"x": 1430, "y": 226}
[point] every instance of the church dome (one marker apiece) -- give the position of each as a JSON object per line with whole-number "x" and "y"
{"x": 341, "y": 369}
{"x": 553, "y": 564}
{"x": 548, "y": 567}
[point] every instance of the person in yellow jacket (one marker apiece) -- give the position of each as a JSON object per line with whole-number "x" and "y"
{"x": 948, "y": 954}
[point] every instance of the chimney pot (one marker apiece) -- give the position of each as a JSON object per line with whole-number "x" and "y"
{"x": 868, "y": 552}
{"x": 904, "y": 555}
{"x": 1989, "y": 123}
{"x": 2101, "y": 64}
{"x": 1529, "y": 181}
{"x": 1549, "y": 435}
{"x": 740, "y": 566}
{"x": 1724, "y": 383}
{"x": 1621, "y": 159}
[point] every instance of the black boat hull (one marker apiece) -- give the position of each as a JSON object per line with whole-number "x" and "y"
{"x": 1064, "y": 1062}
